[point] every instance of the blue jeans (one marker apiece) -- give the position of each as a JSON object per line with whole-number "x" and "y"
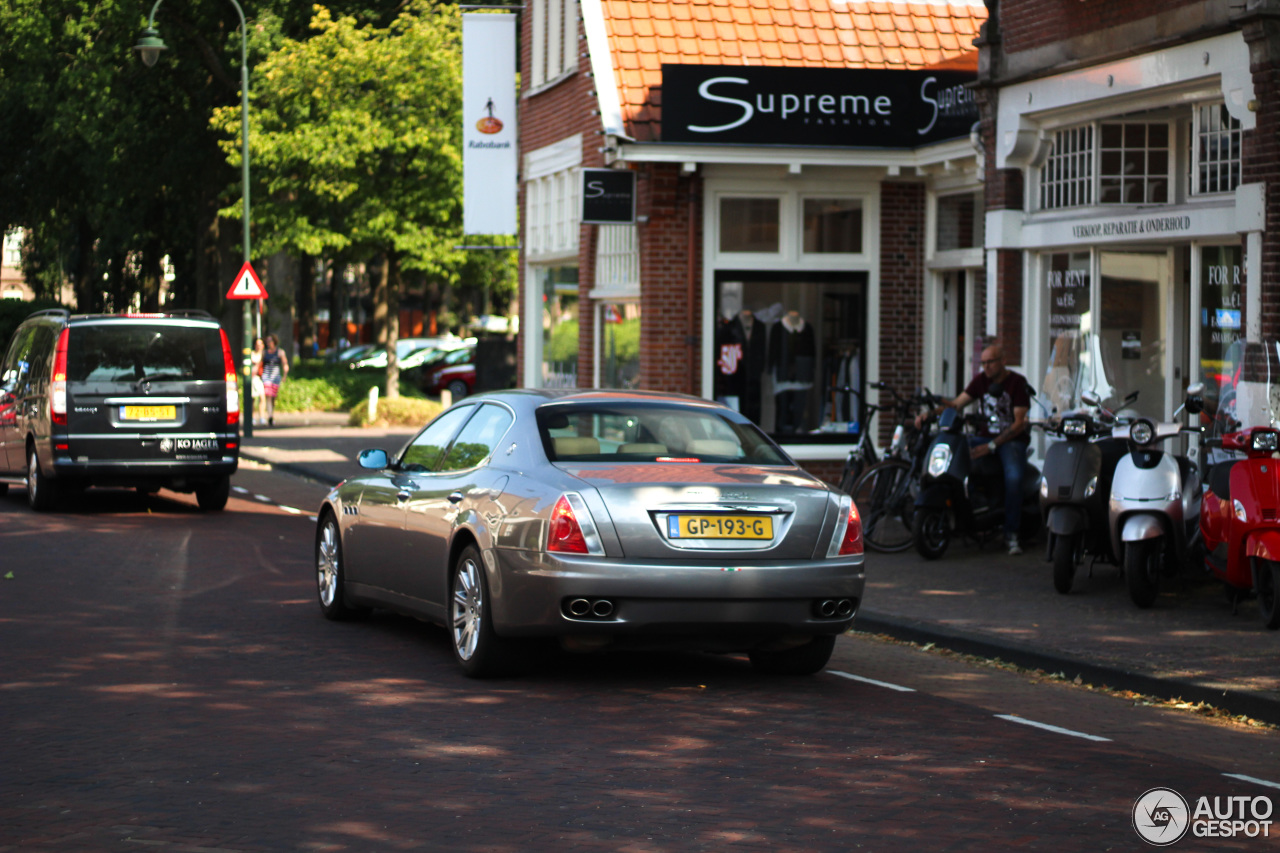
{"x": 1013, "y": 459}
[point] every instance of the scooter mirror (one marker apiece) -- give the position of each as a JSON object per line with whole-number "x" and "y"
{"x": 1195, "y": 398}
{"x": 1090, "y": 399}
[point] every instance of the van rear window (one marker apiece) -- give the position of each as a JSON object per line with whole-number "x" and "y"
{"x": 133, "y": 352}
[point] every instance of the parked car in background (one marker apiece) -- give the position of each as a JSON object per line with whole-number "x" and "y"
{"x": 405, "y": 348}
{"x": 349, "y": 354}
{"x": 145, "y": 401}
{"x": 455, "y": 371}
{"x": 604, "y": 519}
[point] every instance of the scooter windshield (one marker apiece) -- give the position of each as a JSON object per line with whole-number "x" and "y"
{"x": 1080, "y": 364}
{"x": 1242, "y": 388}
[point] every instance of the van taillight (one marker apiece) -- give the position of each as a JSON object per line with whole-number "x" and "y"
{"x": 58, "y": 388}
{"x": 233, "y": 391}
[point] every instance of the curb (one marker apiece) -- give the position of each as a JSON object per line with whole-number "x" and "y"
{"x": 322, "y": 477}
{"x": 1236, "y": 702}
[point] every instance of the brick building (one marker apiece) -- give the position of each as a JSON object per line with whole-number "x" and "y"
{"x": 1131, "y": 158}
{"x": 817, "y": 157}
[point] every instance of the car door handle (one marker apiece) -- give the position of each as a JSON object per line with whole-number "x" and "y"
{"x": 455, "y": 497}
{"x": 403, "y": 495}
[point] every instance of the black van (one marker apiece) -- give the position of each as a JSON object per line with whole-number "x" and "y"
{"x": 146, "y": 401}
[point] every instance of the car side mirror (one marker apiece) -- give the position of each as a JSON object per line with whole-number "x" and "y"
{"x": 374, "y": 460}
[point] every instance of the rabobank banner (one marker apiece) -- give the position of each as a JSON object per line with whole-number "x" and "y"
{"x": 489, "y": 123}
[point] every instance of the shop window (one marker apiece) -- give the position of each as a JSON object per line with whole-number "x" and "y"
{"x": 1133, "y": 165}
{"x": 1066, "y": 178}
{"x": 1221, "y": 328}
{"x": 555, "y": 40}
{"x": 788, "y": 351}
{"x": 619, "y": 356}
{"x": 1069, "y": 292}
{"x": 749, "y": 225}
{"x": 559, "y": 289}
{"x": 959, "y": 222}
{"x": 1215, "y": 150}
{"x": 832, "y": 225}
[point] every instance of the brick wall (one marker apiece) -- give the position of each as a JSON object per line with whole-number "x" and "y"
{"x": 1029, "y": 24}
{"x": 1261, "y": 157}
{"x": 901, "y": 290}
{"x": 669, "y": 361}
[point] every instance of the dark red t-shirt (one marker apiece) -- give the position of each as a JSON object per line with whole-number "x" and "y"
{"x": 997, "y": 408}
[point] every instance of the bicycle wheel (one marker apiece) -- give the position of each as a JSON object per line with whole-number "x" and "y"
{"x": 886, "y": 505}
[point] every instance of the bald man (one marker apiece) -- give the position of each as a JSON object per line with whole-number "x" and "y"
{"x": 1005, "y": 400}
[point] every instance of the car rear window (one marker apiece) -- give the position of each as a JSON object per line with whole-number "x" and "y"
{"x": 640, "y": 433}
{"x": 133, "y": 352}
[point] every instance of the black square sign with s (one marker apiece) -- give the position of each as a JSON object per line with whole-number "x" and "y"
{"x": 608, "y": 196}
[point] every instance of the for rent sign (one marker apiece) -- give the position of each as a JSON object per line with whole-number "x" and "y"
{"x": 866, "y": 108}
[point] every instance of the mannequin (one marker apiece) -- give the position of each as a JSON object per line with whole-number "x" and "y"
{"x": 844, "y": 376}
{"x": 792, "y": 352}
{"x": 740, "y": 362}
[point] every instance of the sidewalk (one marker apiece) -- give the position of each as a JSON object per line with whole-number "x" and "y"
{"x": 972, "y": 600}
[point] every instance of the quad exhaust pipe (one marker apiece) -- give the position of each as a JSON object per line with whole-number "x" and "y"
{"x": 834, "y": 608}
{"x": 581, "y": 608}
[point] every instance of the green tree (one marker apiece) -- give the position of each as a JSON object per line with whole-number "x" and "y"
{"x": 356, "y": 147}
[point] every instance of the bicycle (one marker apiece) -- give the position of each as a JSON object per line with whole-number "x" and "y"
{"x": 885, "y": 493}
{"x": 864, "y": 453}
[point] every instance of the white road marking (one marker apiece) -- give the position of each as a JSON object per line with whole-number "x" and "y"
{"x": 240, "y": 489}
{"x": 1253, "y": 779}
{"x": 263, "y": 498}
{"x": 897, "y": 687}
{"x": 1024, "y": 721}
{"x": 290, "y": 509}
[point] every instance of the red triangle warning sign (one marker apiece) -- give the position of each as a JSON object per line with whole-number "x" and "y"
{"x": 247, "y": 285}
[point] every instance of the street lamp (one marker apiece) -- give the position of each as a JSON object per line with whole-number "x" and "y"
{"x": 149, "y": 46}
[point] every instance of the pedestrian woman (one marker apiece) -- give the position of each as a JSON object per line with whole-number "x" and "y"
{"x": 275, "y": 367}
{"x": 259, "y": 392}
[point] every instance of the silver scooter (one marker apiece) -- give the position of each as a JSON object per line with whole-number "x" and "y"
{"x": 1155, "y": 504}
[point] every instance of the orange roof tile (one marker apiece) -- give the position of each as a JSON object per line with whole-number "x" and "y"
{"x": 644, "y": 34}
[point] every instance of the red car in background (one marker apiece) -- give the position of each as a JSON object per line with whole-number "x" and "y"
{"x": 455, "y": 372}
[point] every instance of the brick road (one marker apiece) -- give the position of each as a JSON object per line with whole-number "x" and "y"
{"x": 168, "y": 682}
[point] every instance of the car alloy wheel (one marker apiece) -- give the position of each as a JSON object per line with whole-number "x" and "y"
{"x": 330, "y": 572}
{"x": 477, "y": 649}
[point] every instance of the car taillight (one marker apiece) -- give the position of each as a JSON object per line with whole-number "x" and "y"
{"x": 58, "y": 388}
{"x": 572, "y": 530}
{"x": 847, "y": 540}
{"x": 233, "y": 391}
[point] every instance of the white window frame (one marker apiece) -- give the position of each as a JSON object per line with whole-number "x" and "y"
{"x": 789, "y": 258}
{"x": 541, "y": 168}
{"x": 553, "y": 54}
{"x": 1235, "y": 128}
{"x": 842, "y": 257}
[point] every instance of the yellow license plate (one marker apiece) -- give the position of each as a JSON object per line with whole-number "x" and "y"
{"x": 148, "y": 413}
{"x": 719, "y": 527}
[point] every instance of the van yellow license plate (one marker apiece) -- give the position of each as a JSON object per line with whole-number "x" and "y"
{"x": 719, "y": 527}
{"x": 148, "y": 413}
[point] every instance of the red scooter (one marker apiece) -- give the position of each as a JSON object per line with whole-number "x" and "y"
{"x": 1240, "y": 519}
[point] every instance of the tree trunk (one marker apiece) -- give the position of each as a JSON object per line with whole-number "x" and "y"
{"x": 391, "y": 275}
{"x": 337, "y": 305}
{"x": 87, "y": 285}
{"x": 378, "y": 295}
{"x": 307, "y": 304}
{"x": 152, "y": 273}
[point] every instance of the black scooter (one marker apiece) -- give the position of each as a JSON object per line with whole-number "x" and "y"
{"x": 1076, "y": 488}
{"x": 959, "y": 494}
